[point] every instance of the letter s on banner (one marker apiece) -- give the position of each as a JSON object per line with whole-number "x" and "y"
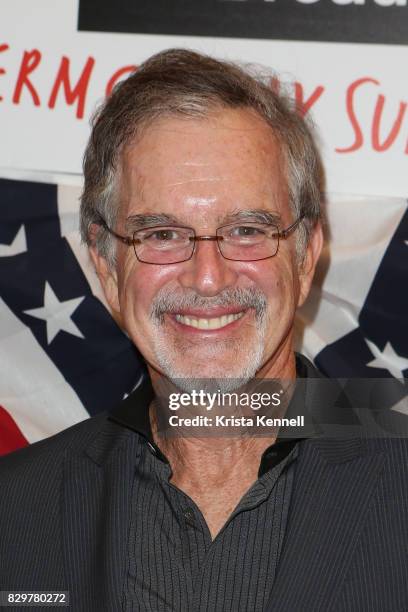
{"x": 359, "y": 140}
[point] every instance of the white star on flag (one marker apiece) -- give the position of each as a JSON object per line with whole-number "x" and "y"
{"x": 57, "y": 314}
{"x": 387, "y": 359}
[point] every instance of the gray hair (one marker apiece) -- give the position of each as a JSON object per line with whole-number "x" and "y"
{"x": 183, "y": 83}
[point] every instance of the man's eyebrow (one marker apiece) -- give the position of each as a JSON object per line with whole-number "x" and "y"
{"x": 135, "y": 222}
{"x": 258, "y": 215}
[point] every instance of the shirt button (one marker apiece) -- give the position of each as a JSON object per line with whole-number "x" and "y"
{"x": 188, "y": 515}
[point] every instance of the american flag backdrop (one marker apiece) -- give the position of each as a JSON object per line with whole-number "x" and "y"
{"x": 64, "y": 358}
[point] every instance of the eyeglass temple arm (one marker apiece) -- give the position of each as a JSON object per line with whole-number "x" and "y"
{"x": 286, "y": 232}
{"x": 125, "y": 239}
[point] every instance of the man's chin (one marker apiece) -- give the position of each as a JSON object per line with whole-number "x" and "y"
{"x": 209, "y": 384}
{"x": 211, "y": 375}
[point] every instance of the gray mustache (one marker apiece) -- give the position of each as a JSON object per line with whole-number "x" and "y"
{"x": 169, "y": 301}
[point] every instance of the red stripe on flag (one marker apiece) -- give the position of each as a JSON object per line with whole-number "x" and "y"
{"x": 11, "y": 437}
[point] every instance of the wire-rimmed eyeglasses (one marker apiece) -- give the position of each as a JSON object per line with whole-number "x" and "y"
{"x": 171, "y": 244}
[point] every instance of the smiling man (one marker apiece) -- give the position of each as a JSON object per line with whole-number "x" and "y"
{"x": 205, "y": 307}
{"x": 202, "y": 212}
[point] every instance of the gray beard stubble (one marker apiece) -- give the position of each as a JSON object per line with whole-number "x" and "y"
{"x": 168, "y": 301}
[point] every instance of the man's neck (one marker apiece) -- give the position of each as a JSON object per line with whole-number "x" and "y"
{"x": 214, "y": 472}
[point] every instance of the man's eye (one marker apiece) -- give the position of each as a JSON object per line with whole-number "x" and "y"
{"x": 163, "y": 235}
{"x": 246, "y": 231}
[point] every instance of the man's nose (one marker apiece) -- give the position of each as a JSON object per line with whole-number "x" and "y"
{"x": 208, "y": 272}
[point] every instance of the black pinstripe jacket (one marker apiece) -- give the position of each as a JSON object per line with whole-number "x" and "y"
{"x": 64, "y": 514}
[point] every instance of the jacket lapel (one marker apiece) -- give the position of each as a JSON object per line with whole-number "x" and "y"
{"x": 334, "y": 482}
{"x": 95, "y": 516}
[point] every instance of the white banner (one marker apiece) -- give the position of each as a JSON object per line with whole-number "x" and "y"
{"x": 52, "y": 76}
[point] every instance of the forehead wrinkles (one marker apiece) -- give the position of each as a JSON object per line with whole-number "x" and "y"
{"x": 157, "y": 161}
{"x": 199, "y": 180}
{"x": 145, "y": 172}
{"x": 195, "y": 138}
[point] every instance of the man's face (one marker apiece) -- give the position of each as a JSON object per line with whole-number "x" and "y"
{"x": 208, "y": 317}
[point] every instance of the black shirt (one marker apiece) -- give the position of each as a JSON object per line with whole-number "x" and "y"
{"x": 173, "y": 564}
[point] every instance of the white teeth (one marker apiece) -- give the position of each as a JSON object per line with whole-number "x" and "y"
{"x": 212, "y": 323}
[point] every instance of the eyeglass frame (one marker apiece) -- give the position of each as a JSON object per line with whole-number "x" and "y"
{"x": 284, "y": 233}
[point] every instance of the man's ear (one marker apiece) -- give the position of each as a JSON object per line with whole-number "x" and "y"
{"x": 308, "y": 264}
{"x": 107, "y": 277}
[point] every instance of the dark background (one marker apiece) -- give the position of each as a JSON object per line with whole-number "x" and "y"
{"x": 282, "y": 19}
